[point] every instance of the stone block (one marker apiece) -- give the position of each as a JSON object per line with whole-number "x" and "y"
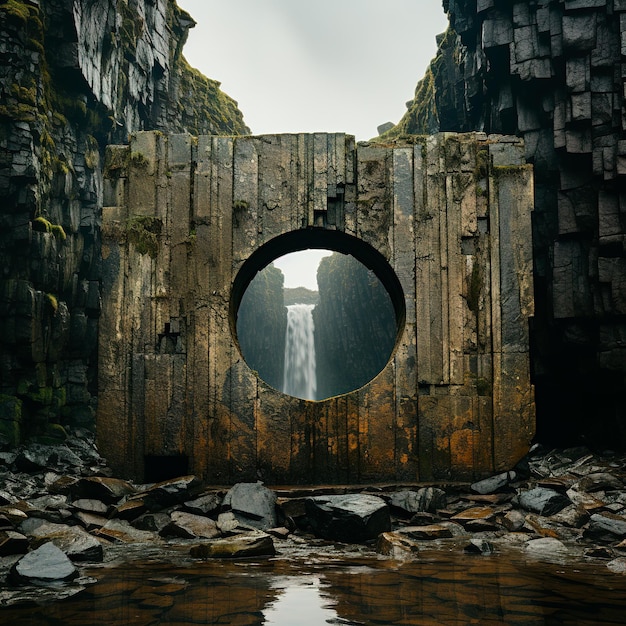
{"x": 579, "y": 33}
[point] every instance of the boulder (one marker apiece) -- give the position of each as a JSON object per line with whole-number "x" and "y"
{"x": 426, "y": 499}
{"x": 171, "y": 492}
{"x": 351, "y": 518}
{"x": 190, "y": 526}
{"x": 120, "y": 531}
{"x": 240, "y": 546}
{"x": 543, "y": 501}
{"x": 252, "y": 504}
{"x": 46, "y": 564}
{"x": 606, "y": 527}
{"x": 108, "y": 490}
{"x": 397, "y": 546}
{"x": 205, "y": 504}
{"x": 546, "y": 548}
{"x": 493, "y": 483}
{"x": 75, "y": 542}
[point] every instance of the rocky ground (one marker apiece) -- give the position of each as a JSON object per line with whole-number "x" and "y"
{"x": 62, "y": 512}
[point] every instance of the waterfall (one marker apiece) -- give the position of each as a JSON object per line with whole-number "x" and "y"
{"x": 299, "y": 379}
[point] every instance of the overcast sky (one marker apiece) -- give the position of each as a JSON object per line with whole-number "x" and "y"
{"x": 299, "y": 66}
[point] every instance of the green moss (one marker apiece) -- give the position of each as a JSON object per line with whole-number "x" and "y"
{"x": 42, "y": 395}
{"x": 53, "y": 303}
{"x": 116, "y": 161}
{"x": 143, "y": 232}
{"x": 42, "y": 225}
{"x": 16, "y": 10}
{"x": 92, "y": 153}
{"x": 138, "y": 160}
{"x": 240, "y": 205}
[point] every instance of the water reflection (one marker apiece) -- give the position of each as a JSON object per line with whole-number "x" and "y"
{"x": 299, "y": 602}
{"x": 442, "y": 588}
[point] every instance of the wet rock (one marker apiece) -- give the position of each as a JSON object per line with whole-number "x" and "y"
{"x": 543, "y": 501}
{"x": 434, "y": 531}
{"x": 90, "y": 521}
{"x": 351, "y": 518}
{"x": 46, "y": 564}
{"x": 171, "y": 492}
{"x": 129, "y": 510}
{"x": 252, "y": 504}
{"x": 617, "y": 565}
{"x": 426, "y": 499}
{"x": 474, "y": 513}
{"x": 606, "y": 527}
{"x": 13, "y": 514}
{"x": 190, "y": 526}
{"x": 75, "y": 542}
{"x": 546, "y": 547}
{"x": 493, "y": 484}
{"x": 238, "y": 547}
{"x": 205, "y": 504}
{"x": 12, "y": 542}
{"x": 424, "y": 519}
{"x": 479, "y": 546}
{"x": 584, "y": 500}
{"x": 109, "y": 490}
{"x": 121, "y": 531}
{"x": 513, "y": 520}
{"x": 397, "y": 546}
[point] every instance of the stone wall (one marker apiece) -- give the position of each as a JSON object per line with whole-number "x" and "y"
{"x": 552, "y": 72}
{"x": 75, "y": 75}
{"x": 443, "y": 221}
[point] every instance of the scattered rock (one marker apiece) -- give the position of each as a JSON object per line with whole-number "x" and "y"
{"x": 238, "y": 547}
{"x": 494, "y": 483}
{"x": 397, "y": 546}
{"x": 606, "y": 527}
{"x": 171, "y": 492}
{"x": 479, "y": 546}
{"x": 205, "y": 504}
{"x": 190, "y": 526}
{"x": 543, "y": 501}
{"x": 46, "y": 564}
{"x": 351, "y": 518}
{"x": 252, "y": 504}
{"x": 108, "y": 490}
{"x": 617, "y": 565}
{"x": 434, "y": 531}
{"x": 546, "y": 547}
{"x": 75, "y": 542}
{"x": 427, "y": 499}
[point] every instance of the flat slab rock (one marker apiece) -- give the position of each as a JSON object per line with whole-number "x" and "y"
{"x": 44, "y": 565}
{"x": 237, "y": 547}
{"x": 350, "y": 518}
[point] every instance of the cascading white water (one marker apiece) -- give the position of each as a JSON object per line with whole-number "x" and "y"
{"x": 299, "y": 379}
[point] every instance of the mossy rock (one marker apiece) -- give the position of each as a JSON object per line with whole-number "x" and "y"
{"x": 52, "y": 434}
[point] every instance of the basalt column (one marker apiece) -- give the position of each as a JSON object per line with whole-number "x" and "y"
{"x": 443, "y": 221}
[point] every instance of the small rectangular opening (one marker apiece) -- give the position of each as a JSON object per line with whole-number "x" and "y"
{"x": 160, "y": 468}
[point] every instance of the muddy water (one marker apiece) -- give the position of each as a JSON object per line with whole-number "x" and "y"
{"x": 443, "y": 587}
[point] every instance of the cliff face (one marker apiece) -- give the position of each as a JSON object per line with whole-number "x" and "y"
{"x": 552, "y": 72}
{"x": 354, "y": 326}
{"x": 261, "y": 325}
{"x": 74, "y": 77}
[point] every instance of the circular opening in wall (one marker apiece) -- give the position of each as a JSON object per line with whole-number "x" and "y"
{"x": 317, "y": 313}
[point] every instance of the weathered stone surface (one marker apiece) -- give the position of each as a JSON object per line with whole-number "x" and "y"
{"x": 205, "y": 504}
{"x": 107, "y": 490}
{"x": 396, "y": 546}
{"x": 606, "y": 527}
{"x": 121, "y": 531}
{"x": 432, "y": 531}
{"x": 171, "y": 492}
{"x": 546, "y": 548}
{"x": 46, "y": 564}
{"x": 252, "y": 504}
{"x": 426, "y": 499}
{"x": 238, "y": 547}
{"x": 543, "y": 501}
{"x": 415, "y": 212}
{"x": 75, "y": 542}
{"x": 493, "y": 483}
{"x": 572, "y": 132}
{"x": 352, "y": 518}
{"x": 190, "y": 526}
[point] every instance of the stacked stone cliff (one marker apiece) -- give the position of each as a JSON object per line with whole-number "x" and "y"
{"x": 552, "y": 72}
{"x": 74, "y": 77}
